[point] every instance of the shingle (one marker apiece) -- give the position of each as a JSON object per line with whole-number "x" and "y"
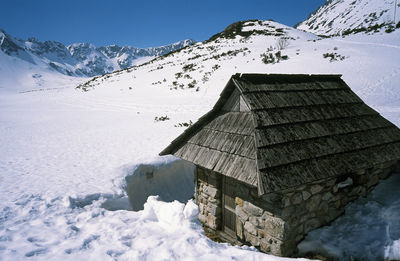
{"x": 300, "y": 129}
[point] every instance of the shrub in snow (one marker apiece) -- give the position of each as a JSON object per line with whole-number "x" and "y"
{"x": 184, "y": 124}
{"x": 280, "y": 57}
{"x": 372, "y": 28}
{"x": 188, "y": 67}
{"x": 333, "y": 56}
{"x": 269, "y": 57}
{"x": 282, "y": 43}
{"x": 161, "y": 118}
{"x": 192, "y": 84}
{"x": 178, "y": 75}
{"x": 215, "y": 67}
{"x": 155, "y": 83}
{"x": 390, "y": 28}
{"x": 195, "y": 57}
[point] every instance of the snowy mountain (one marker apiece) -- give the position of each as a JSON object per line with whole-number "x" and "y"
{"x": 185, "y": 84}
{"x": 232, "y": 49}
{"x": 73, "y": 158}
{"x": 337, "y": 17}
{"x": 81, "y": 59}
{"x": 255, "y": 46}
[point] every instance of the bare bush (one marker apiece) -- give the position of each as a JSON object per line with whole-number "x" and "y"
{"x": 282, "y": 43}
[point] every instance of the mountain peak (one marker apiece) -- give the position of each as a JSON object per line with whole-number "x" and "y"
{"x": 341, "y": 17}
{"x": 251, "y": 27}
{"x": 82, "y": 59}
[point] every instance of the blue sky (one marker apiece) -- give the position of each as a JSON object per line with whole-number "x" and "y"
{"x": 140, "y": 23}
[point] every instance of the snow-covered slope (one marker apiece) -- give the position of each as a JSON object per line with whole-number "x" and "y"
{"x": 253, "y": 46}
{"x": 81, "y": 59}
{"x": 192, "y": 78}
{"x": 18, "y": 75}
{"x": 239, "y": 48}
{"x": 338, "y": 17}
{"x": 71, "y": 158}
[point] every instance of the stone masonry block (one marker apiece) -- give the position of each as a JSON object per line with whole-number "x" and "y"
{"x": 275, "y": 227}
{"x": 252, "y": 209}
{"x": 210, "y": 191}
{"x": 315, "y": 189}
{"x": 239, "y": 229}
{"x": 254, "y": 240}
{"x": 373, "y": 180}
{"x": 215, "y": 210}
{"x": 306, "y": 195}
{"x": 265, "y": 246}
{"x": 312, "y": 224}
{"x": 250, "y": 228}
{"x": 239, "y": 201}
{"x": 212, "y": 222}
{"x": 313, "y": 203}
{"x": 202, "y": 218}
{"x": 256, "y": 221}
{"x": 297, "y": 199}
{"x": 243, "y": 216}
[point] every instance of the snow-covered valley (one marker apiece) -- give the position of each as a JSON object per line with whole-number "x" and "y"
{"x": 68, "y": 156}
{"x": 65, "y": 156}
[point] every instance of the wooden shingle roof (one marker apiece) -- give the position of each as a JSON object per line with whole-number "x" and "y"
{"x": 293, "y": 130}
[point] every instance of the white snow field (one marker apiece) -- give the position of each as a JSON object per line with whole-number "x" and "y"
{"x": 74, "y": 164}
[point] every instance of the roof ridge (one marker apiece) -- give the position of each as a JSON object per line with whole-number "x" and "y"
{"x": 330, "y": 110}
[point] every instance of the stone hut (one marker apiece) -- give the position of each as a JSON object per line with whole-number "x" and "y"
{"x": 280, "y": 155}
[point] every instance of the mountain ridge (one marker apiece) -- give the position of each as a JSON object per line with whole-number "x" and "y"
{"x": 343, "y": 17}
{"x": 82, "y": 59}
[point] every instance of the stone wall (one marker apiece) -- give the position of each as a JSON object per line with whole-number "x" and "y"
{"x": 317, "y": 204}
{"x": 258, "y": 221}
{"x": 208, "y": 197}
{"x": 276, "y": 222}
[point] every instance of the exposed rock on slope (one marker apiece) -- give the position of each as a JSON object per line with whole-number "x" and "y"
{"x": 337, "y": 17}
{"x": 239, "y": 45}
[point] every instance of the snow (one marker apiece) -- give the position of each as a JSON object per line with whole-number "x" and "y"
{"x": 79, "y": 59}
{"x": 18, "y": 75}
{"x": 141, "y": 60}
{"x": 168, "y": 178}
{"x": 66, "y": 158}
{"x": 336, "y": 16}
{"x": 372, "y": 222}
{"x": 162, "y": 231}
{"x": 73, "y": 164}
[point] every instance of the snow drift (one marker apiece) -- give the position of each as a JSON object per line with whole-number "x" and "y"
{"x": 169, "y": 178}
{"x": 369, "y": 230}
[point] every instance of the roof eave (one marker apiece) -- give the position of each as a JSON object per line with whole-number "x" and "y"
{"x": 173, "y": 147}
